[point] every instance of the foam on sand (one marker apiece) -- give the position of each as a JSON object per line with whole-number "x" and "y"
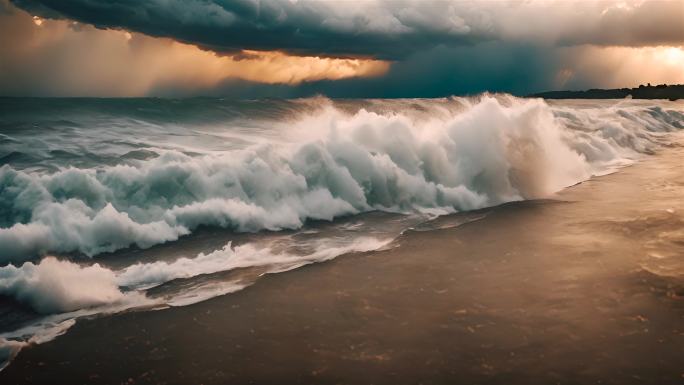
{"x": 64, "y": 291}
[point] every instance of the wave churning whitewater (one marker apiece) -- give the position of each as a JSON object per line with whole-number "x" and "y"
{"x": 63, "y": 291}
{"x": 411, "y": 156}
{"x": 496, "y": 150}
{"x": 57, "y": 286}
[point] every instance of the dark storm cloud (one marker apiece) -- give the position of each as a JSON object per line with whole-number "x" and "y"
{"x": 304, "y": 27}
{"x": 438, "y": 48}
{"x": 381, "y": 29}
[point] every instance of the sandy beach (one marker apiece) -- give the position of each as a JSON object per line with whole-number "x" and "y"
{"x": 581, "y": 288}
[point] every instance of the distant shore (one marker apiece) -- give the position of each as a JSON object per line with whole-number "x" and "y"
{"x": 661, "y": 91}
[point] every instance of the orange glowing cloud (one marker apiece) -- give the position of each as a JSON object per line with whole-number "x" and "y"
{"x": 70, "y": 58}
{"x": 272, "y": 67}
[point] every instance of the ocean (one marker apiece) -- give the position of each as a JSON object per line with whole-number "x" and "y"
{"x": 111, "y": 206}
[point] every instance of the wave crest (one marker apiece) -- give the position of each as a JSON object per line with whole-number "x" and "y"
{"x": 496, "y": 150}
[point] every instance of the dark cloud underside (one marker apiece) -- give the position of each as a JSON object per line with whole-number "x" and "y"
{"x": 382, "y": 29}
{"x": 430, "y": 48}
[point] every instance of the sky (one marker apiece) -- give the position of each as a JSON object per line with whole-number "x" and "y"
{"x": 340, "y": 48}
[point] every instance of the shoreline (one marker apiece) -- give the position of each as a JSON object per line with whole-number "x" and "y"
{"x": 562, "y": 291}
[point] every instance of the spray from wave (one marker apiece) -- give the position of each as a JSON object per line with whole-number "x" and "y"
{"x": 418, "y": 158}
{"x": 494, "y": 150}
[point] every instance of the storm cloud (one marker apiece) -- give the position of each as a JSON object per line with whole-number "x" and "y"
{"x": 289, "y": 48}
{"x": 389, "y": 29}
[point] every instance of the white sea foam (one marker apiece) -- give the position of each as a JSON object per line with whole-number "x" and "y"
{"x": 59, "y": 286}
{"x": 495, "y": 150}
{"x": 488, "y": 151}
{"x": 65, "y": 291}
{"x": 146, "y": 275}
{"x": 8, "y": 350}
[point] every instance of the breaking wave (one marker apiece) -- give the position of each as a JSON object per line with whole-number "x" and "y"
{"x": 132, "y": 178}
{"x": 335, "y": 163}
{"x": 59, "y": 286}
{"x": 53, "y": 286}
{"x": 62, "y": 291}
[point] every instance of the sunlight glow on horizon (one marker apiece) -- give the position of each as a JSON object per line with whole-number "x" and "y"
{"x": 674, "y": 55}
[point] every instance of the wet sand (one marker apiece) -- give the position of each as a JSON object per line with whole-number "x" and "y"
{"x": 586, "y": 288}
